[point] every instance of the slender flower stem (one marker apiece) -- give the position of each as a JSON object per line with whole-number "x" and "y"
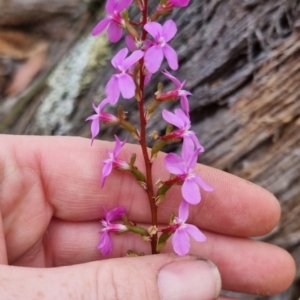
{"x": 143, "y": 142}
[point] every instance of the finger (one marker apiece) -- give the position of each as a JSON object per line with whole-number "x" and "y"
{"x": 154, "y": 277}
{"x": 227, "y": 298}
{"x": 246, "y": 266}
{"x": 68, "y": 172}
{"x": 3, "y": 254}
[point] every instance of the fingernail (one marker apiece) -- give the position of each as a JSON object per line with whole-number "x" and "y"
{"x": 189, "y": 279}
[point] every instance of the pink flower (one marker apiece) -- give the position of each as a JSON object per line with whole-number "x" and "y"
{"x": 183, "y": 168}
{"x": 181, "y": 239}
{"x": 178, "y": 92}
{"x": 182, "y": 121}
{"x": 100, "y": 116}
{"x": 113, "y": 21}
{"x": 106, "y": 244}
{"x": 113, "y": 161}
{"x": 132, "y": 47}
{"x": 122, "y": 82}
{"x": 171, "y": 3}
{"x": 160, "y": 47}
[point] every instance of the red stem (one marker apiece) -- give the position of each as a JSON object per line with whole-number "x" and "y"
{"x": 143, "y": 141}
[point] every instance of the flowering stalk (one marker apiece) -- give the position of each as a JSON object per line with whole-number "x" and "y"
{"x": 142, "y": 140}
{"x": 133, "y": 72}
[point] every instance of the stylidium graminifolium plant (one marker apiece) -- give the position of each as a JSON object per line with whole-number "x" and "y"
{"x": 148, "y": 44}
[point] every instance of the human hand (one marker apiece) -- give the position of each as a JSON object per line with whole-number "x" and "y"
{"x": 51, "y": 204}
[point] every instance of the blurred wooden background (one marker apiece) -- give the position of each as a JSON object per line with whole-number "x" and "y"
{"x": 241, "y": 59}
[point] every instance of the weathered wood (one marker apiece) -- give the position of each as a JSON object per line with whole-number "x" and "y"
{"x": 241, "y": 59}
{"x": 35, "y": 12}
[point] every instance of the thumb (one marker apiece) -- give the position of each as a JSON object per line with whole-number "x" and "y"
{"x": 155, "y": 277}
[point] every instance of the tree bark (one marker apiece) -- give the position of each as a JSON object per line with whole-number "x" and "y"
{"x": 241, "y": 62}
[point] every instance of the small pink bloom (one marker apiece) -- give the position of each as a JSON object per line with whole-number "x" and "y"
{"x": 171, "y": 3}
{"x": 181, "y": 239}
{"x": 183, "y": 167}
{"x": 100, "y": 116}
{"x": 175, "y": 93}
{"x": 132, "y": 47}
{"x": 106, "y": 244}
{"x": 122, "y": 82}
{"x": 114, "y": 20}
{"x": 183, "y": 122}
{"x": 154, "y": 54}
{"x": 113, "y": 160}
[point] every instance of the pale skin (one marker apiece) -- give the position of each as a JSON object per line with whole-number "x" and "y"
{"x": 51, "y": 203}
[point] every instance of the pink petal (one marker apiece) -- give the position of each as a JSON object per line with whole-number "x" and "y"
{"x": 183, "y": 116}
{"x": 130, "y": 43}
{"x": 195, "y": 233}
{"x": 148, "y": 77}
{"x": 96, "y": 108}
{"x": 185, "y": 104}
{"x": 181, "y": 242}
{"x": 111, "y": 6}
{"x": 100, "y": 27}
{"x": 203, "y": 184}
{"x": 132, "y": 59}
{"x": 95, "y": 128}
{"x": 119, "y": 58}
{"x": 191, "y": 163}
{"x": 172, "y": 119}
{"x": 106, "y": 244}
{"x": 102, "y": 104}
{"x": 148, "y": 44}
{"x": 114, "y": 32}
{"x": 153, "y": 58}
{"x": 169, "y": 30}
{"x": 187, "y": 148}
{"x": 171, "y": 57}
{"x": 154, "y": 29}
{"x": 123, "y": 4}
{"x": 112, "y": 90}
{"x": 92, "y": 118}
{"x": 183, "y": 211}
{"x": 180, "y": 3}
{"x": 106, "y": 170}
{"x": 197, "y": 143}
{"x": 118, "y": 146}
{"x": 174, "y": 164}
{"x": 115, "y": 214}
{"x": 172, "y": 78}
{"x": 127, "y": 86}
{"x": 190, "y": 191}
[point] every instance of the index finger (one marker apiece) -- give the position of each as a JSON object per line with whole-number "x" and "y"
{"x": 69, "y": 171}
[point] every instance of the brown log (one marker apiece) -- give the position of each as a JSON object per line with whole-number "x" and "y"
{"x": 18, "y": 12}
{"x": 241, "y": 60}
